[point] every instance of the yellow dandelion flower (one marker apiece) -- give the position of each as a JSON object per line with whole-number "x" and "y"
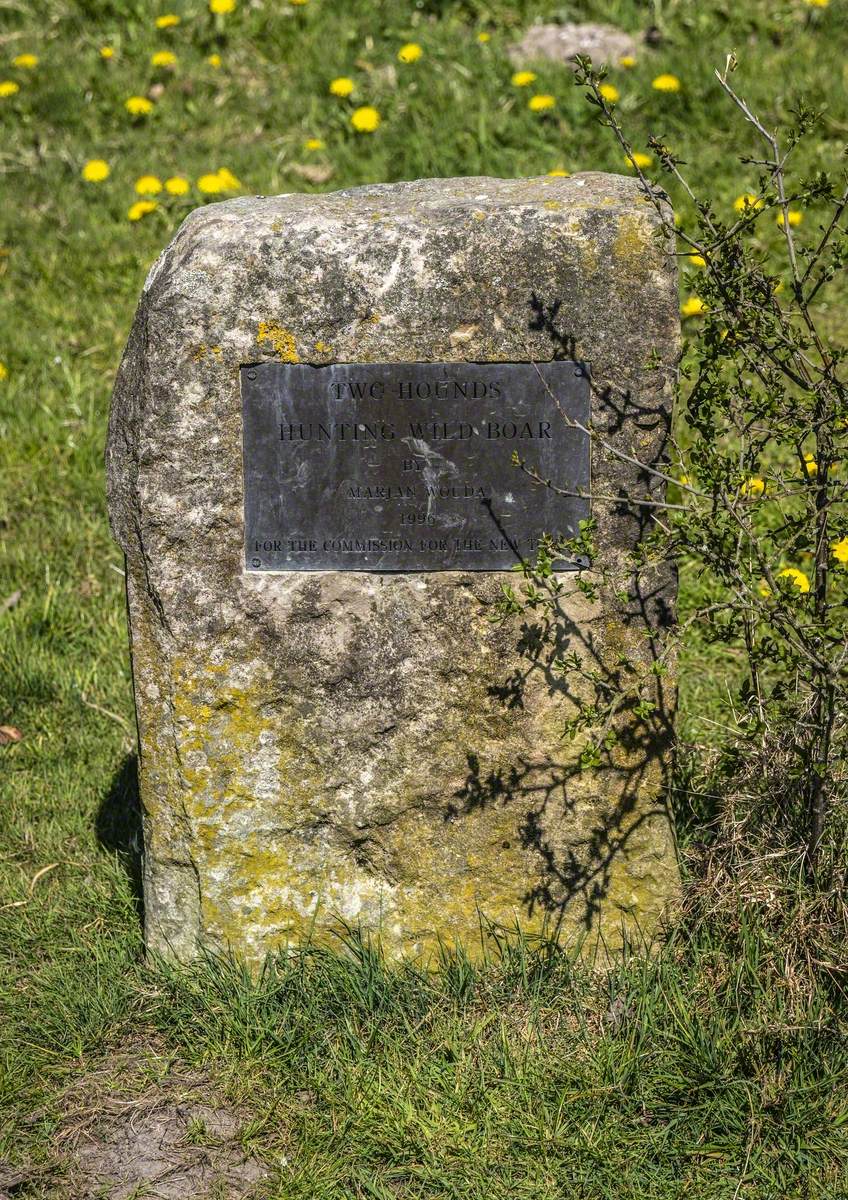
{"x": 222, "y": 7}
{"x": 4, "y": 372}
{"x": 341, "y": 86}
{"x": 638, "y": 159}
{"x": 8, "y": 87}
{"x": 840, "y": 550}
{"x": 214, "y": 182}
{"x": 107, "y": 52}
{"x": 410, "y": 53}
{"x": 610, "y": 94}
{"x": 210, "y": 184}
{"x": 795, "y": 217}
{"x": 693, "y": 307}
{"x": 138, "y": 106}
{"x": 298, "y": 3}
{"x": 177, "y": 185}
{"x": 163, "y": 58}
{"x": 484, "y": 37}
{"x": 747, "y": 200}
{"x": 95, "y": 170}
{"x": 167, "y": 21}
{"x": 148, "y": 185}
{"x": 141, "y": 208}
{"x": 229, "y": 183}
{"x": 523, "y": 78}
{"x": 810, "y": 465}
{"x": 559, "y": 173}
{"x": 314, "y": 144}
{"x": 627, "y": 61}
{"x": 683, "y": 480}
{"x": 818, "y": 3}
{"x": 755, "y": 486}
{"x": 666, "y": 83}
{"x": 214, "y": 60}
{"x": 27, "y": 61}
{"x": 697, "y": 260}
{"x": 541, "y": 102}
{"x": 365, "y": 119}
{"x": 764, "y": 590}
{"x": 795, "y": 577}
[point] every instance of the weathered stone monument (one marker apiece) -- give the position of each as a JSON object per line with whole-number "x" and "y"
{"x": 311, "y": 475}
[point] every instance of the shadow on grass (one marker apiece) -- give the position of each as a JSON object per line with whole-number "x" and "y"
{"x": 118, "y": 825}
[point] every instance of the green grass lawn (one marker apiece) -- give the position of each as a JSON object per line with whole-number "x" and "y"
{"x": 707, "y": 1073}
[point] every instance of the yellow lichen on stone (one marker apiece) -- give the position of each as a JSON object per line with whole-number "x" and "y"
{"x": 635, "y": 898}
{"x": 198, "y": 353}
{"x": 254, "y": 897}
{"x": 218, "y": 728}
{"x": 584, "y": 242}
{"x": 281, "y": 341}
{"x": 634, "y": 247}
{"x": 323, "y": 348}
{"x": 250, "y": 802}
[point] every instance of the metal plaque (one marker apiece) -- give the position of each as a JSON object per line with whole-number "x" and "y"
{"x": 411, "y": 466}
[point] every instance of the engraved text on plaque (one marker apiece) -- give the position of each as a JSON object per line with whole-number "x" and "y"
{"x": 410, "y": 466}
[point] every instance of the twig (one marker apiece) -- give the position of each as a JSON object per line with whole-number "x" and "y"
{"x": 10, "y": 601}
{"x": 106, "y": 713}
{"x": 594, "y": 436}
{"x": 533, "y": 474}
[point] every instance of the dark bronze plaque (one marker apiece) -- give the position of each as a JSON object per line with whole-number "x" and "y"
{"x": 408, "y": 466}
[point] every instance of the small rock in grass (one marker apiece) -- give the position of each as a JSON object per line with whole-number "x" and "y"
{"x": 560, "y": 43}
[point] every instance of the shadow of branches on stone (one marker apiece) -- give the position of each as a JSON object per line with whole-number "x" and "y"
{"x": 579, "y": 821}
{"x": 577, "y": 859}
{"x": 614, "y": 409}
{"x": 118, "y": 825}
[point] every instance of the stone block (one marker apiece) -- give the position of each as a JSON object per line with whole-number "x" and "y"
{"x": 371, "y": 747}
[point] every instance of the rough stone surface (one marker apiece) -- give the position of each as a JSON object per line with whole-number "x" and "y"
{"x": 373, "y": 747}
{"x": 560, "y": 43}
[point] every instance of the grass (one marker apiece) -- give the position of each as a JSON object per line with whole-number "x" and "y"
{"x": 707, "y": 1071}
{"x": 527, "y": 1077}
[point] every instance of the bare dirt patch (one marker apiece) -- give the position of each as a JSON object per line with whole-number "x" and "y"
{"x": 142, "y": 1126}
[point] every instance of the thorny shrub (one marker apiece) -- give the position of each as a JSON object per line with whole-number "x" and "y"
{"x": 760, "y": 513}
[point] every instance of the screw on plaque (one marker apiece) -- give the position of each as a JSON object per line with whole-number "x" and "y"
{"x": 251, "y": 374}
{"x": 579, "y": 372}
